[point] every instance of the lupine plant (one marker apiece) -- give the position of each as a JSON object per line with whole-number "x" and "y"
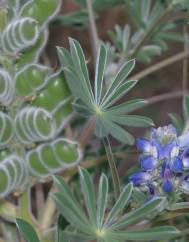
{"x": 62, "y": 129}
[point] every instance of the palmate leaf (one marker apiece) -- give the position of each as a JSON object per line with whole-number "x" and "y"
{"x": 98, "y": 102}
{"x": 107, "y": 225}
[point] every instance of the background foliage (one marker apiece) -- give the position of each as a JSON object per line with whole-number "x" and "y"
{"x": 74, "y": 105}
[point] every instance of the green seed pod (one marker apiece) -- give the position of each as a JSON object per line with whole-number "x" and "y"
{"x": 19, "y": 35}
{"x": 56, "y": 91}
{"x": 53, "y": 157}
{"x": 6, "y": 130}
{"x": 3, "y": 18}
{"x": 34, "y": 125}
{"x": 32, "y": 54}
{"x": 41, "y": 10}
{"x": 7, "y": 88}
{"x": 31, "y": 79}
{"x": 4, "y": 153}
{"x": 13, "y": 174}
{"x": 57, "y": 99}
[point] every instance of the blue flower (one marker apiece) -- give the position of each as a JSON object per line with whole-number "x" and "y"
{"x": 165, "y": 141}
{"x": 140, "y": 178}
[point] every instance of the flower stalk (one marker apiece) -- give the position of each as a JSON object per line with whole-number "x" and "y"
{"x": 113, "y": 168}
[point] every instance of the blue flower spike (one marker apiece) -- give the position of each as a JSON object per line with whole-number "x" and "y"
{"x": 164, "y": 162}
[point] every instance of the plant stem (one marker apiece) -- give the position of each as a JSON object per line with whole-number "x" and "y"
{"x": 25, "y": 211}
{"x": 25, "y": 206}
{"x": 185, "y": 61}
{"x": 40, "y": 200}
{"x": 87, "y": 132}
{"x": 48, "y": 213}
{"x": 165, "y": 96}
{"x": 92, "y": 28}
{"x": 160, "y": 65}
{"x": 113, "y": 169}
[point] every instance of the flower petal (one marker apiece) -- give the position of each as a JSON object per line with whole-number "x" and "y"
{"x": 185, "y": 159}
{"x": 143, "y": 145}
{"x": 185, "y": 187}
{"x": 176, "y": 165}
{"x": 165, "y": 150}
{"x": 184, "y": 140}
{"x": 167, "y": 186}
{"x": 148, "y": 163}
{"x": 139, "y": 178}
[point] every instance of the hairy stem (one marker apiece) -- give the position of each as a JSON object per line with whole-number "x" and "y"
{"x": 92, "y": 29}
{"x": 48, "y": 213}
{"x": 158, "y": 66}
{"x": 40, "y": 200}
{"x": 87, "y": 132}
{"x": 185, "y": 61}
{"x": 25, "y": 211}
{"x": 113, "y": 169}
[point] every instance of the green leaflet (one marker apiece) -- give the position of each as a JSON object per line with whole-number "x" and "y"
{"x": 126, "y": 107}
{"x": 100, "y": 69}
{"x": 186, "y": 107}
{"x": 27, "y": 231}
{"x": 102, "y": 200}
{"x": 89, "y": 194}
{"x": 131, "y": 120}
{"x": 121, "y": 90}
{"x": 139, "y": 213}
{"x": 177, "y": 122}
{"x": 120, "y": 204}
{"x": 156, "y": 233}
{"x": 121, "y": 75}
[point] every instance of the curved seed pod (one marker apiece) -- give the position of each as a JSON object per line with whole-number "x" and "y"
{"x": 32, "y": 54}
{"x": 13, "y": 174}
{"x": 53, "y": 157}
{"x": 56, "y": 91}
{"x": 57, "y": 99}
{"x": 31, "y": 79}
{"x": 19, "y": 35}
{"x": 35, "y": 9}
{"x": 7, "y": 88}
{"x": 34, "y": 125}
{"x": 6, "y": 129}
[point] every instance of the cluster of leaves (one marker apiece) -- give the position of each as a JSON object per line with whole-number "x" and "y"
{"x": 145, "y": 16}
